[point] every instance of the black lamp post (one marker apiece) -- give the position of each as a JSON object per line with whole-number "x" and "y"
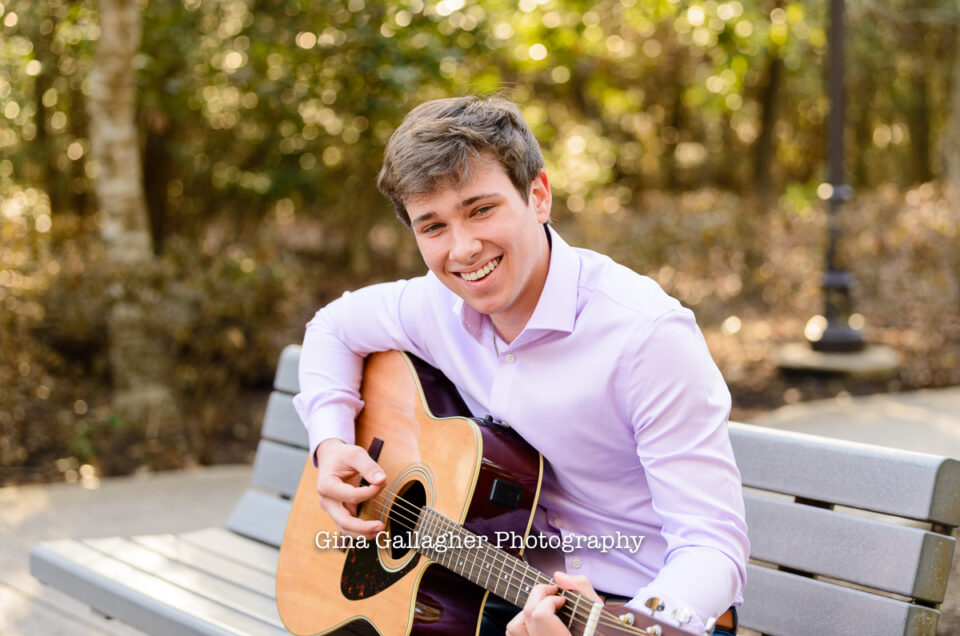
{"x": 838, "y": 335}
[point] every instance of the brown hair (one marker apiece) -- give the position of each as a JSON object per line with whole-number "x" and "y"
{"x": 434, "y": 144}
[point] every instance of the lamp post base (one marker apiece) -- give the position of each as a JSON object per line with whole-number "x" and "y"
{"x": 839, "y": 339}
{"x": 874, "y": 361}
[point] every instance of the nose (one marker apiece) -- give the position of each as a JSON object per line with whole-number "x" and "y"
{"x": 466, "y": 246}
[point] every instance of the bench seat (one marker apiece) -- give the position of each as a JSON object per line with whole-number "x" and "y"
{"x": 846, "y": 539}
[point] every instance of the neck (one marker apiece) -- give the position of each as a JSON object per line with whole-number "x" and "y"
{"x": 508, "y": 326}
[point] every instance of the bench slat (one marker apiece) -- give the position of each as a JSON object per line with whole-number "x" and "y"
{"x": 287, "y": 379}
{"x": 281, "y": 422}
{"x": 172, "y": 547}
{"x": 234, "y": 595}
{"x": 789, "y": 605}
{"x": 260, "y": 516}
{"x": 277, "y": 467}
{"x": 900, "y": 559}
{"x": 136, "y": 597}
{"x": 233, "y": 546}
{"x": 886, "y": 480}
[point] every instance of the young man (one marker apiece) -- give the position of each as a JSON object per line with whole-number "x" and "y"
{"x": 594, "y": 365}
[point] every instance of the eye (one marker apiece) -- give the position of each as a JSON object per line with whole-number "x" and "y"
{"x": 481, "y": 211}
{"x": 433, "y": 228}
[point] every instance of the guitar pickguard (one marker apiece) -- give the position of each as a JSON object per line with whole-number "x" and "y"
{"x": 363, "y": 575}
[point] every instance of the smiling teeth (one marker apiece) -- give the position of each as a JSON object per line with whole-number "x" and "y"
{"x": 480, "y": 273}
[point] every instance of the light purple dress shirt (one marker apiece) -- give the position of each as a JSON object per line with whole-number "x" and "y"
{"x": 610, "y": 380}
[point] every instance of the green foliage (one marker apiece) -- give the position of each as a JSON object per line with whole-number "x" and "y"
{"x": 224, "y": 306}
{"x": 244, "y": 103}
{"x": 263, "y": 124}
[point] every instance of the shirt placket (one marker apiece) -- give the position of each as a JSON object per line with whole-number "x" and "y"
{"x": 501, "y": 393}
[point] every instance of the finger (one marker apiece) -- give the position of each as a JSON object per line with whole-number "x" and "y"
{"x": 348, "y": 522}
{"x": 368, "y": 528}
{"x": 548, "y": 606}
{"x": 543, "y": 621}
{"x": 517, "y": 625}
{"x": 576, "y": 583}
{"x": 330, "y": 487}
{"x": 360, "y": 461}
{"x": 537, "y": 594}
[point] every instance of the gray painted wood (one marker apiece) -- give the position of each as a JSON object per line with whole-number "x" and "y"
{"x": 175, "y": 549}
{"x": 886, "y": 556}
{"x": 234, "y": 594}
{"x": 260, "y": 516}
{"x": 788, "y": 605}
{"x": 886, "y": 480}
{"x": 137, "y": 597}
{"x": 281, "y": 422}
{"x": 286, "y": 379}
{"x": 277, "y": 467}
{"x": 230, "y": 545}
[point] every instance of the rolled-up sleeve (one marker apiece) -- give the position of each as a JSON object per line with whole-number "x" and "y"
{"x": 679, "y": 405}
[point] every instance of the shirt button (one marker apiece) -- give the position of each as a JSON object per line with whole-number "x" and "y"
{"x": 576, "y": 563}
{"x": 558, "y": 523}
{"x": 511, "y": 358}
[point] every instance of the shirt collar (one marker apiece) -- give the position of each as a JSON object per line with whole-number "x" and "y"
{"x": 557, "y": 308}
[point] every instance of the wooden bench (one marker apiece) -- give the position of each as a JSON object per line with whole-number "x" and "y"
{"x": 846, "y": 539}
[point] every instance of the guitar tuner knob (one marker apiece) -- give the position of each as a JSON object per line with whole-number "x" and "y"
{"x": 654, "y": 604}
{"x": 682, "y": 615}
{"x": 708, "y": 628}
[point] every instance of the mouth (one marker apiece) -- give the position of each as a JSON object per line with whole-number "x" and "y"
{"x": 483, "y": 272}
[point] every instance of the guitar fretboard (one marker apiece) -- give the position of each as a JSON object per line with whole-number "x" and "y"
{"x": 490, "y": 567}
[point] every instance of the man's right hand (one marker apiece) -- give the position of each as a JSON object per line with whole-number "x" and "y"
{"x": 339, "y": 469}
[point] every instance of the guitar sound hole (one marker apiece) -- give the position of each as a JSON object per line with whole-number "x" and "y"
{"x": 403, "y": 517}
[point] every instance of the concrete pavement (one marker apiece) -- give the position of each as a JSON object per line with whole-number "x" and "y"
{"x": 925, "y": 421}
{"x": 158, "y": 503}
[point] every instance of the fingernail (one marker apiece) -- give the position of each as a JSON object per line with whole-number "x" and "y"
{"x": 377, "y": 476}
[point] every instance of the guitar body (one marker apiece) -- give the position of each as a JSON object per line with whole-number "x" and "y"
{"x": 433, "y": 454}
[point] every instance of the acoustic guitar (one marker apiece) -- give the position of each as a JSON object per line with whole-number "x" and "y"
{"x": 453, "y": 483}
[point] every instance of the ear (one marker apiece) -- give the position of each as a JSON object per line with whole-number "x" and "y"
{"x": 540, "y": 196}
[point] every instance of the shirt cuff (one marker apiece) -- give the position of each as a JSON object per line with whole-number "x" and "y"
{"x": 674, "y": 613}
{"x": 697, "y": 584}
{"x": 333, "y": 421}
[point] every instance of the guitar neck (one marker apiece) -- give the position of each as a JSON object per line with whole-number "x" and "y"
{"x": 477, "y": 560}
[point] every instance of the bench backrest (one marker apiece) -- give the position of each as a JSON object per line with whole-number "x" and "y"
{"x": 845, "y": 538}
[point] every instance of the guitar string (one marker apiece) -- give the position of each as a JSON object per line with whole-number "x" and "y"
{"x": 607, "y": 618}
{"x": 436, "y": 518}
{"x": 502, "y": 558}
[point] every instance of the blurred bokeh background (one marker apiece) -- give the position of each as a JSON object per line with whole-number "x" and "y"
{"x": 685, "y": 138}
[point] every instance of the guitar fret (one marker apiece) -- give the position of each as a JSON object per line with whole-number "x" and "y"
{"x": 488, "y": 566}
{"x": 517, "y": 597}
{"x": 573, "y": 611}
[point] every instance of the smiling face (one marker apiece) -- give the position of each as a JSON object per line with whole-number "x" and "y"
{"x": 486, "y": 244}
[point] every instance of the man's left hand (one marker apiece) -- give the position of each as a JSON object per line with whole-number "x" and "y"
{"x": 539, "y": 614}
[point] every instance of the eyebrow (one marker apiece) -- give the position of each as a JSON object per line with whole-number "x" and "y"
{"x": 463, "y": 204}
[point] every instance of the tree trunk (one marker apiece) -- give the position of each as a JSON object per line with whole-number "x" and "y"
{"x": 139, "y": 363}
{"x": 950, "y": 150}
{"x": 45, "y": 153}
{"x": 111, "y": 102}
{"x": 764, "y": 146}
